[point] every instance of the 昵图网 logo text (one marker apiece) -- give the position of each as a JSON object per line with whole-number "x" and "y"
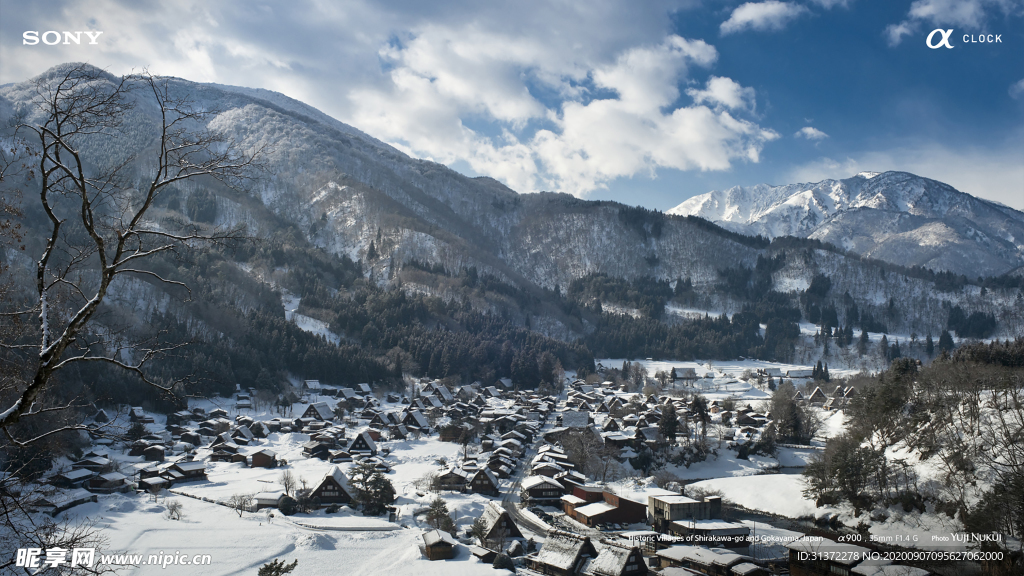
{"x": 53, "y": 37}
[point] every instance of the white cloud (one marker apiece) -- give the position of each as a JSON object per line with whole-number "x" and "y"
{"x": 991, "y": 174}
{"x": 810, "y": 133}
{"x": 969, "y": 14}
{"x": 829, "y": 4}
{"x": 582, "y": 144}
{"x": 540, "y": 95}
{"x": 724, "y": 92}
{"x": 894, "y": 33}
{"x": 768, "y": 15}
{"x": 1017, "y": 89}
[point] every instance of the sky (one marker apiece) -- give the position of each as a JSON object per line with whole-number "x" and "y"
{"x": 647, "y": 103}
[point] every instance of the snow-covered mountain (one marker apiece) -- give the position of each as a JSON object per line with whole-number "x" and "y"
{"x": 892, "y": 216}
{"x": 342, "y": 191}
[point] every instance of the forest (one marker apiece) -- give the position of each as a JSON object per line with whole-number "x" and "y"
{"x": 960, "y": 415}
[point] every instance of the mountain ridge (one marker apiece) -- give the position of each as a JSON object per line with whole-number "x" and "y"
{"x": 897, "y": 217}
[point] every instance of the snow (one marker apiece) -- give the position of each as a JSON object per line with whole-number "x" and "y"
{"x": 780, "y": 494}
{"x": 236, "y": 545}
{"x": 306, "y": 323}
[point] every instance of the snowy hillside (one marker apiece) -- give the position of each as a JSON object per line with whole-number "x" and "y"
{"x": 893, "y": 216}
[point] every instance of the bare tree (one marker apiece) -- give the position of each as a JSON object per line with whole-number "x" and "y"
{"x": 98, "y": 228}
{"x": 288, "y": 482}
{"x": 241, "y": 503}
{"x": 173, "y": 509}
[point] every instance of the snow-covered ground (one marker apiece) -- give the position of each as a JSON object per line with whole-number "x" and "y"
{"x": 780, "y": 494}
{"x": 305, "y": 323}
{"x": 136, "y": 525}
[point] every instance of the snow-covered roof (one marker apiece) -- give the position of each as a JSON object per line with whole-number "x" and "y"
{"x": 574, "y": 500}
{"x": 491, "y": 514}
{"x": 438, "y": 537}
{"x": 611, "y": 560}
{"x": 534, "y": 481}
{"x": 268, "y": 497}
{"x": 575, "y": 419}
{"x": 561, "y": 549}
{"x": 674, "y": 499}
{"x": 744, "y": 569}
{"x": 490, "y": 475}
{"x": 716, "y": 525}
{"x": 701, "y": 555}
{"x": 338, "y": 477}
{"x": 79, "y": 474}
{"x": 322, "y": 410}
{"x": 594, "y": 509}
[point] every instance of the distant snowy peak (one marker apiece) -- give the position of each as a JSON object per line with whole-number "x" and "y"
{"x": 980, "y": 237}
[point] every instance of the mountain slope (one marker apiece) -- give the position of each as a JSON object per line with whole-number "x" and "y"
{"x": 331, "y": 186}
{"x": 894, "y": 216}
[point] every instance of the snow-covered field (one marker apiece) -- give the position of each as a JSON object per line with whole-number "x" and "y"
{"x": 136, "y": 525}
{"x": 780, "y": 494}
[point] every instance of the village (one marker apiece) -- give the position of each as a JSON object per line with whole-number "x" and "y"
{"x": 540, "y": 484}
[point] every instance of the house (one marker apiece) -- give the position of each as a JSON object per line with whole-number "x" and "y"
{"x": 107, "y": 483}
{"x": 364, "y": 388}
{"x": 194, "y": 470}
{"x": 74, "y": 478}
{"x": 137, "y": 414}
{"x": 817, "y": 397}
{"x": 444, "y": 394}
{"x": 454, "y": 479}
{"x": 719, "y": 532}
{"x": 666, "y": 509}
{"x": 686, "y": 373}
{"x": 616, "y": 559}
{"x": 94, "y": 463}
{"x": 575, "y": 419}
{"x": 710, "y": 561}
{"x": 154, "y": 453}
{"x": 268, "y": 500}
{"x": 417, "y": 419}
{"x": 486, "y": 556}
{"x": 242, "y": 435}
{"x": 311, "y": 387}
{"x": 334, "y": 488}
{"x": 318, "y": 411}
{"x": 563, "y": 554}
{"x": 363, "y": 443}
{"x": 610, "y": 508}
{"x": 799, "y": 373}
{"x": 498, "y": 527}
{"x": 484, "y": 482}
{"x": 317, "y": 449}
{"x": 542, "y": 490}
{"x": 439, "y": 545}
{"x": 264, "y": 459}
{"x": 101, "y": 417}
{"x": 398, "y": 432}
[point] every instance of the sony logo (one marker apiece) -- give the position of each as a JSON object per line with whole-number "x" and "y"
{"x": 51, "y": 37}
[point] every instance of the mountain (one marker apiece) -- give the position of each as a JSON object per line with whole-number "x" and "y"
{"x": 896, "y": 217}
{"x": 401, "y": 262}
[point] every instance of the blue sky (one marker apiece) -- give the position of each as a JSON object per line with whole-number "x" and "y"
{"x": 603, "y": 99}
